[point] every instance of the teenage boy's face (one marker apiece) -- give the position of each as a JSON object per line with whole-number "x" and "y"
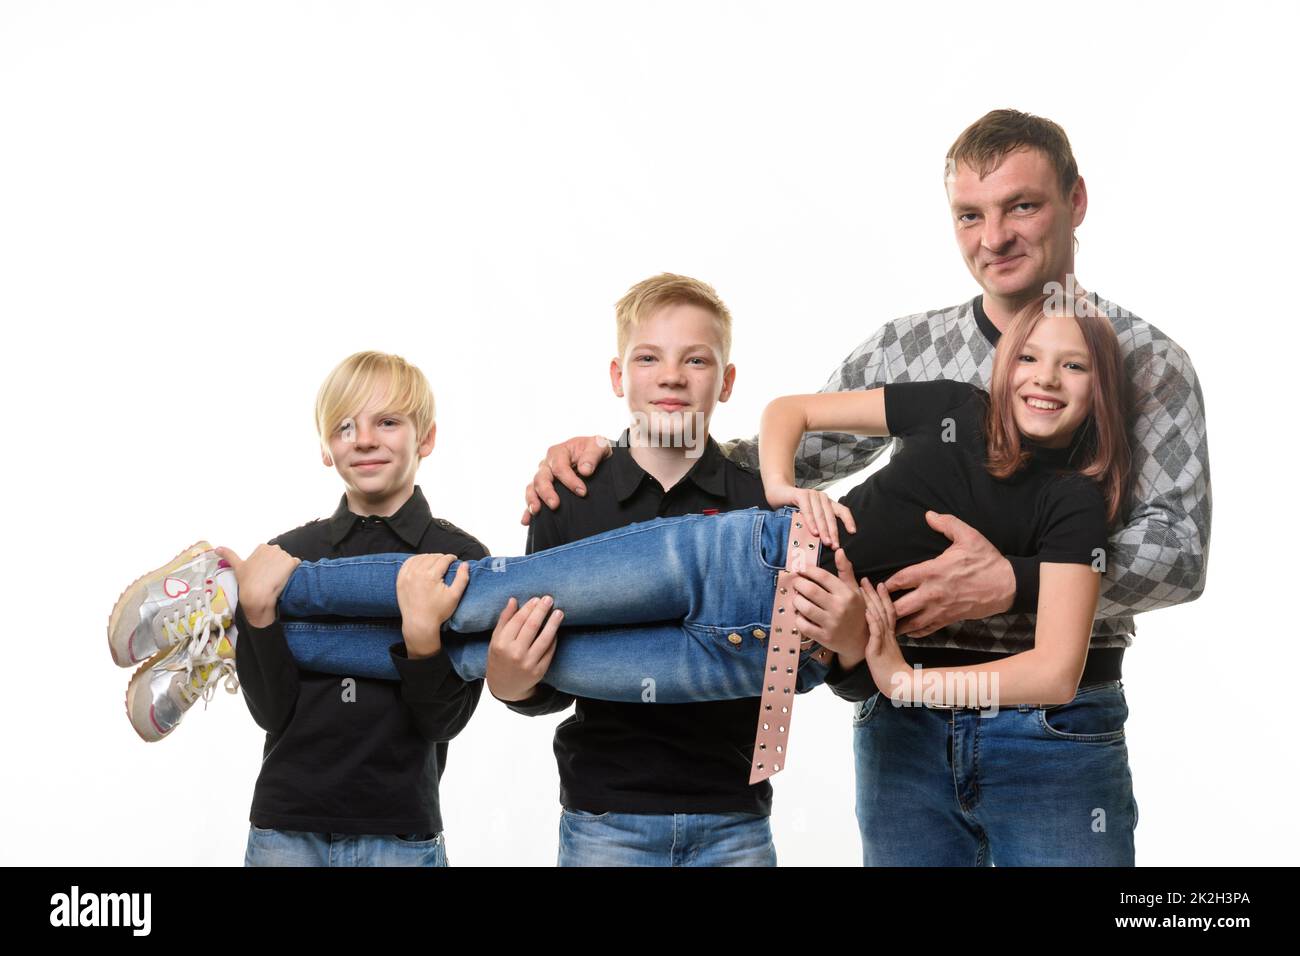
{"x": 376, "y": 452}
{"x": 1051, "y": 382}
{"x": 672, "y": 373}
{"x": 1014, "y": 228}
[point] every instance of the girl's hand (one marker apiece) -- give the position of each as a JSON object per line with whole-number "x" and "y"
{"x": 819, "y": 511}
{"x": 884, "y": 657}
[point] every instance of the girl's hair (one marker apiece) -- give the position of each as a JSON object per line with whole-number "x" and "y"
{"x": 1102, "y": 440}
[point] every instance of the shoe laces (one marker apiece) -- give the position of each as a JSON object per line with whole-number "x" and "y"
{"x": 204, "y": 668}
{"x": 192, "y": 623}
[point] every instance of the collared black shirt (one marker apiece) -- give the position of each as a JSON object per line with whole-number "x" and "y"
{"x": 651, "y": 758}
{"x": 365, "y": 758}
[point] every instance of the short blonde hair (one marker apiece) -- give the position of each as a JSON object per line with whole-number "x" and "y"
{"x": 668, "y": 289}
{"x": 348, "y": 388}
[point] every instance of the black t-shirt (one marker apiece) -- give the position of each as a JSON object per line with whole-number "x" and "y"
{"x": 364, "y": 756}
{"x": 1045, "y": 509}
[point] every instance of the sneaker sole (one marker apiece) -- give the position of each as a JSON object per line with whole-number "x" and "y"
{"x": 144, "y": 718}
{"x": 132, "y": 597}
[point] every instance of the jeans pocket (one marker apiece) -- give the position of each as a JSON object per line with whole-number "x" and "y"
{"x": 1096, "y": 715}
{"x": 864, "y": 710}
{"x": 582, "y": 814}
{"x": 429, "y": 838}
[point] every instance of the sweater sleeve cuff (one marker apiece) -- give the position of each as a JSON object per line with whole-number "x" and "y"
{"x": 856, "y": 684}
{"x": 545, "y": 699}
{"x": 423, "y": 678}
{"x": 1026, "y": 572}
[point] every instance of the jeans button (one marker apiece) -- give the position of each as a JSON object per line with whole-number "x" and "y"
{"x": 734, "y": 638}
{"x": 759, "y": 633}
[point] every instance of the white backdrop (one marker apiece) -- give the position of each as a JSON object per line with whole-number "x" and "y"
{"x": 204, "y": 206}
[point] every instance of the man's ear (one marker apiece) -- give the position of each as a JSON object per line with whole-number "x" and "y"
{"x": 326, "y": 458}
{"x": 1078, "y": 202}
{"x": 728, "y": 383}
{"x": 426, "y": 446}
{"x": 616, "y": 376}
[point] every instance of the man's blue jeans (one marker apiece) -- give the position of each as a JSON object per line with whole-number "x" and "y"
{"x": 665, "y": 839}
{"x": 1029, "y": 786}
{"x": 663, "y": 611}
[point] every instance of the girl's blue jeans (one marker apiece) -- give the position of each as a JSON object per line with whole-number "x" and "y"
{"x": 668, "y": 611}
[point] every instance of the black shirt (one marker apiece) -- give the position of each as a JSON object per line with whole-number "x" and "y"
{"x": 1044, "y": 510}
{"x": 368, "y": 760}
{"x": 652, "y": 758}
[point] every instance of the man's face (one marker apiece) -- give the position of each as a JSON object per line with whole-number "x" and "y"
{"x": 1014, "y": 228}
{"x": 1051, "y": 382}
{"x": 376, "y": 452}
{"x": 672, "y": 373}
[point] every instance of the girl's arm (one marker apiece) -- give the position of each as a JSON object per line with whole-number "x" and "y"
{"x": 1047, "y": 674}
{"x": 784, "y": 422}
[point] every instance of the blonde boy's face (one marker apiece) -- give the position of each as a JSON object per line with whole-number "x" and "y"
{"x": 672, "y": 373}
{"x": 376, "y": 452}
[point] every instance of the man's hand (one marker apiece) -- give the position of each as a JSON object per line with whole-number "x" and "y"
{"x": 261, "y": 579}
{"x": 969, "y": 581}
{"x": 521, "y": 649}
{"x": 831, "y": 610}
{"x": 426, "y": 602}
{"x": 585, "y": 452}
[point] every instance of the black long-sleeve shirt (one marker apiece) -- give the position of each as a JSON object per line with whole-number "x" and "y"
{"x": 653, "y": 758}
{"x": 355, "y": 755}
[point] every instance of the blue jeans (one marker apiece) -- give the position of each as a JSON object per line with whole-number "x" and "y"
{"x": 665, "y": 839}
{"x": 1029, "y": 786}
{"x": 665, "y": 611}
{"x": 299, "y": 848}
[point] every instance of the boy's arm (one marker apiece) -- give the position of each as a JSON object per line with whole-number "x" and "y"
{"x": 437, "y": 700}
{"x": 268, "y": 674}
{"x": 543, "y": 532}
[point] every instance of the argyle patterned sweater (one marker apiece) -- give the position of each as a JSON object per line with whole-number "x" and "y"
{"x": 1156, "y": 560}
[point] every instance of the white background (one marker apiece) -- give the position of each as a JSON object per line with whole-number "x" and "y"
{"x": 205, "y": 206}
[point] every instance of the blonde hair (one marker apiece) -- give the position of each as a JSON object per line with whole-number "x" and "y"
{"x": 348, "y": 388}
{"x": 669, "y": 289}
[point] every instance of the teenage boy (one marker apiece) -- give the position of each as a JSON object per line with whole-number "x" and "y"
{"x": 662, "y": 784}
{"x": 351, "y": 766}
{"x": 1016, "y": 198}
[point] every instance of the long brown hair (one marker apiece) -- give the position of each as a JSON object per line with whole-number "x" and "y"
{"x": 1103, "y": 453}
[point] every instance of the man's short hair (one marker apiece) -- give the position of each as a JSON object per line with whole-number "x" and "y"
{"x": 348, "y": 388}
{"x": 983, "y": 145}
{"x": 668, "y": 289}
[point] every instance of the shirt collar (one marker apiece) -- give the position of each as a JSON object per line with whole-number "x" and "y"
{"x": 707, "y": 473}
{"x": 408, "y": 522}
{"x": 985, "y": 323}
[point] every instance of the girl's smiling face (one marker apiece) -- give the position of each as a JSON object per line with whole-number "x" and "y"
{"x": 1051, "y": 382}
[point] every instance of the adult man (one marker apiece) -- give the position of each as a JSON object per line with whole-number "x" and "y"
{"x": 1016, "y": 199}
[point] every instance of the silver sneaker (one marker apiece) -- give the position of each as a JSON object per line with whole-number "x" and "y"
{"x": 166, "y": 686}
{"x": 166, "y": 607}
